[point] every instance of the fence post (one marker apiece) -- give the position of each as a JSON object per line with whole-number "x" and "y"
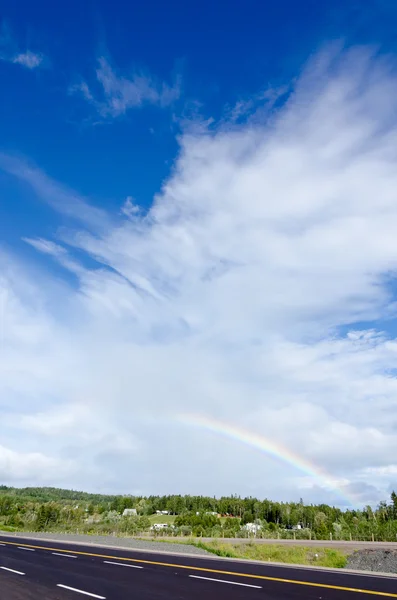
{"x": 330, "y": 536}
{"x": 373, "y": 539}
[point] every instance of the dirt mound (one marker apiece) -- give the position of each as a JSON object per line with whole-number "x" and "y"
{"x": 383, "y": 561}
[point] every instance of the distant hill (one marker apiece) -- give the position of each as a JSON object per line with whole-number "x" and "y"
{"x": 52, "y": 494}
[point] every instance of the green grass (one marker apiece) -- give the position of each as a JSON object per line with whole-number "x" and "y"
{"x": 224, "y": 520}
{"x": 297, "y": 555}
{"x": 8, "y": 528}
{"x": 162, "y": 519}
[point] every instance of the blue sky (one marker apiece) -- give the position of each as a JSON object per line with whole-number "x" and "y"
{"x": 197, "y": 192}
{"x": 221, "y": 53}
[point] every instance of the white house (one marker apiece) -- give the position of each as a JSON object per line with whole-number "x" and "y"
{"x": 252, "y": 527}
{"x": 209, "y": 513}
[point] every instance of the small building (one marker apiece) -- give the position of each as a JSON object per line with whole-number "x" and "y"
{"x": 129, "y": 512}
{"x": 252, "y": 527}
{"x": 162, "y": 512}
{"x": 157, "y": 526}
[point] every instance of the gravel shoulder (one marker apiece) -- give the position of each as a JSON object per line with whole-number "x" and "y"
{"x": 373, "y": 560}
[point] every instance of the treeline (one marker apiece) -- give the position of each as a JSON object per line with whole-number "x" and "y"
{"x": 49, "y": 509}
{"x": 51, "y": 494}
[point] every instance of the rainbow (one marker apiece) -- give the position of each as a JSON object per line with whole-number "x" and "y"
{"x": 271, "y": 448}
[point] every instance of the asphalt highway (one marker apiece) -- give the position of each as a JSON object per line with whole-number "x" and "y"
{"x": 43, "y": 570}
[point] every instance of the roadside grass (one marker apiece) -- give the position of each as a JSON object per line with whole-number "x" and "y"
{"x": 8, "y": 528}
{"x": 296, "y": 555}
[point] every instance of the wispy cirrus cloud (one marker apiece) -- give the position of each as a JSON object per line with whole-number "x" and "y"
{"x": 259, "y": 290}
{"x": 60, "y": 197}
{"x": 10, "y": 50}
{"x": 29, "y": 59}
{"x": 114, "y": 94}
{"x": 57, "y": 252}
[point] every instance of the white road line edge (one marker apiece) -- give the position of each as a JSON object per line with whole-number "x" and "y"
{"x": 66, "y": 587}
{"x": 12, "y": 571}
{"x": 67, "y": 555}
{"x": 108, "y": 562}
{"x": 258, "y": 587}
{"x": 23, "y": 548}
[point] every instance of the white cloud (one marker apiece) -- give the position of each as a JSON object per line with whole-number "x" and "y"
{"x": 129, "y": 208}
{"x": 59, "y": 197}
{"x": 10, "y": 50}
{"x": 20, "y": 467}
{"x": 254, "y": 291}
{"x": 118, "y": 93}
{"x": 28, "y": 59}
{"x": 257, "y": 107}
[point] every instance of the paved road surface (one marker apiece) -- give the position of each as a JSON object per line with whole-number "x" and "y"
{"x": 38, "y": 570}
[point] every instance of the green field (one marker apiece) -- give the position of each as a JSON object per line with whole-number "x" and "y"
{"x": 162, "y": 519}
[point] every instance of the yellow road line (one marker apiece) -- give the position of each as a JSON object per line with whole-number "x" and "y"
{"x": 218, "y": 571}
